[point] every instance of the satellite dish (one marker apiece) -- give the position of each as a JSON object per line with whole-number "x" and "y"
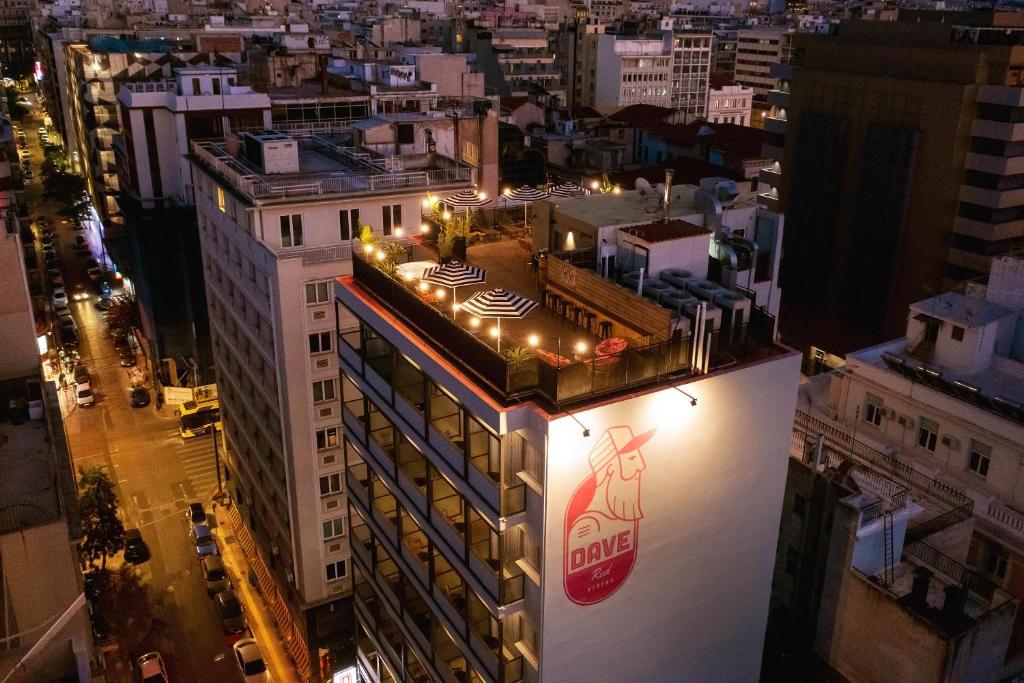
{"x": 644, "y": 188}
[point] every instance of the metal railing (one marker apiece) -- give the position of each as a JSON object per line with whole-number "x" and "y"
{"x": 955, "y": 571}
{"x": 574, "y": 381}
{"x": 258, "y": 186}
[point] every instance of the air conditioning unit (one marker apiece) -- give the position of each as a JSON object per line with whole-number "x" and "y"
{"x": 319, "y": 315}
{"x": 327, "y": 459}
{"x": 906, "y": 421}
{"x": 889, "y": 413}
{"x": 735, "y": 307}
{"x": 325, "y": 412}
{"x": 706, "y": 289}
{"x": 951, "y": 442}
{"x": 322, "y": 363}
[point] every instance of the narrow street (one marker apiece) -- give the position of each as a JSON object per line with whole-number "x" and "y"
{"x": 161, "y": 605}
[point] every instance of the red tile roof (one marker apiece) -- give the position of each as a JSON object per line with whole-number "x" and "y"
{"x": 638, "y": 113}
{"x": 513, "y": 102}
{"x": 586, "y": 113}
{"x": 662, "y": 232}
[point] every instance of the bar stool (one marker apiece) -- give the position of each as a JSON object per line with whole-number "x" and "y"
{"x": 591, "y": 318}
{"x": 563, "y": 308}
{"x": 577, "y": 314}
{"x": 606, "y": 329}
{"x": 556, "y": 302}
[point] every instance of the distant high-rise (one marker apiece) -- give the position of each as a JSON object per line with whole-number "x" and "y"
{"x": 902, "y": 169}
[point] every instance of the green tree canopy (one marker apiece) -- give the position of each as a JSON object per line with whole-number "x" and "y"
{"x": 123, "y": 312}
{"x": 102, "y": 529}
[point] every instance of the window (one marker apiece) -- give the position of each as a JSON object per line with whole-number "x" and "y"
{"x": 220, "y": 199}
{"x": 336, "y": 570}
{"x": 291, "y": 230}
{"x": 873, "y": 410}
{"x": 216, "y": 86}
{"x": 317, "y": 292}
{"x": 928, "y": 434}
{"x": 330, "y": 484}
{"x": 406, "y": 134}
{"x": 323, "y": 390}
{"x": 348, "y": 223}
{"x": 957, "y": 333}
{"x": 333, "y": 528}
{"x": 196, "y": 89}
{"x": 326, "y": 438}
{"x": 798, "y": 505}
{"x": 995, "y": 564}
{"x": 980, "y": 457}
{"x": 320, "y": 342}
{"x": 392, "y": 217}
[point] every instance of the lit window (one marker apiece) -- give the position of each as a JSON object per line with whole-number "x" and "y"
{"x": 220, "y": 199}
{"x": 326, "y": 438}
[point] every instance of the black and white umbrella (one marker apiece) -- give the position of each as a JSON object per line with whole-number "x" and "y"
{"x": 524, "y": 195}
{"x": 466, "y": 199}
{"x": 498, "y": 303}
{"x": 455, "y": 274}
{"x": 567, "y": 190}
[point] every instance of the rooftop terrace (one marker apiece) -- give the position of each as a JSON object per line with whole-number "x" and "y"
{"x": 558, "y": 357}
{"x": 330, "y": 166}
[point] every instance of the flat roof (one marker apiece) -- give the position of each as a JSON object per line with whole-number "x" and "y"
{"x": 28, "y": 489}
{"x": 665, "y": 232}
{"x": 626, "y": 207}
{"x": 962, "y": 310}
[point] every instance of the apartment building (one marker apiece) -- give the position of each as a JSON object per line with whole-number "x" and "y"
{"x": 730, "y": 104}
{"x": 691, "y": 72}
{"x": 160, "y": 119}
{"x": 873, "y": 175}
{"x": 516, "y": 60}
{"x": 757, "y": 49}
{"x": 39, "y": 527}
{"x": 625, "y": 71}
{"x": 278, "y": 216}
{"x": 521, "y": 519}
{"x": 946, "y": 398}
{"x": 16, "y": 34}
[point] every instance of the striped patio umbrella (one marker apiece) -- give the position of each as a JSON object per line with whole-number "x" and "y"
{"x": 466, "y": 199}
{"x": 498, "y": 303}
{"x": 525, "y": 195}
{"x": 455, "y": 274}
{"x": 567, "y": 189}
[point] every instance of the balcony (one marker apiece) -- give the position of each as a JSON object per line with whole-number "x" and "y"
{"x": 775, "y": 124}
{"x": 778, "y": 98}
{"x": 769, "y": 200}
{"x": 770, "y": 176}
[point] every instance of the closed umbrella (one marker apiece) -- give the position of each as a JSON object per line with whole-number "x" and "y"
{"x": 455, "y": 274}
{"x": 498, "y": 303}
{"x": 526, "y": 195}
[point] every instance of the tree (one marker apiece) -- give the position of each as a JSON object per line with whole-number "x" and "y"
{"x": 67, "y": 188}
{"x": 102, "y": 528}
{"x": 123, "y": 313}
{"x": 78, "y": 212}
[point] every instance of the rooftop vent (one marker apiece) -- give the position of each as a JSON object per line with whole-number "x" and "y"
{"x": 272, "y": 151}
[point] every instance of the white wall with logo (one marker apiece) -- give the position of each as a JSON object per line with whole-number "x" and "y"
{"x": 695, "y": 602}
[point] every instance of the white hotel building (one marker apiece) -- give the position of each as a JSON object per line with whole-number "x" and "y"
{"x": 594, "y": 520}
{"x": 277, "y": 219}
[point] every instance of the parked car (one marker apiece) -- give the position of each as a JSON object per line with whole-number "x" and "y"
{"x": 68, "y": 337}
{"x": 94, "y": 273}
{"x": 250, "y": 662}
{"x": 127, "y": 358}
{"x": 79, "y": 292}
{"x": 214, "y": 575}
{"x": 195, "y": 514}
{"x": 81, "y": 374}
{"x": 121, "y": 344}
{"x": 45, "y": 237}
{"x": 151, "y": 668}
{"x": 60, "y": 297}
{"x": 28, "y": 173}
{"x": 56, "y": 279}
{"x": 203, "y": 541}
{"x": 84, "y": 395}
{"x": 135, "y": 549}
{"x": 138, "y": 397}
{"x": 232, "y": 617}
{"x": 66, "y": 325}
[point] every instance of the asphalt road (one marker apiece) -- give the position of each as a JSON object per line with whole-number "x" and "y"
{"x": 162, "y": 604}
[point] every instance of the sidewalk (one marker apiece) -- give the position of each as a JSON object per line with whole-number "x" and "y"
{"x": 261, "y": 621}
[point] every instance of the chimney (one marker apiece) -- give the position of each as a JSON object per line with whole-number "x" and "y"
{"x": 667, "y": 197}
{"x": 955, "y": 601}
{"x": 919, "y": 591}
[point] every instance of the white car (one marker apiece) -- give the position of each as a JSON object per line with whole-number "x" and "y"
{"x": 250, "y": 661}
{"x": 60, "y": 298}
{"x": 151, "y": 668}
{"x": 84, "y": 395}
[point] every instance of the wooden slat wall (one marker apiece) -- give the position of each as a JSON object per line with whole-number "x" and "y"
{"x": 607, "y": 299}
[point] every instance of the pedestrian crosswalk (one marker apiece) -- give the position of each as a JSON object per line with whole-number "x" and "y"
{"x": 197, "y": 459}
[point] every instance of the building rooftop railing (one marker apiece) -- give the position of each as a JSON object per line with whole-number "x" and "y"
{"x": 576, "y": 381}
{"x": 355, "y": 173}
